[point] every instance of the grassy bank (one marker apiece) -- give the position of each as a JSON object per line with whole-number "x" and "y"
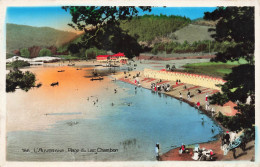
{"x": 217, "y": 69}
{"x": 68, "y": 57}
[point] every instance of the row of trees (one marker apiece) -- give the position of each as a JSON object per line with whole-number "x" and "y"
{"x": 83, "y": 53}
{"x": 43, "y": 52}
{"x": 197, "y": 46}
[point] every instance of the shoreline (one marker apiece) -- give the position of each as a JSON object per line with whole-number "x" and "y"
{"x": 192, "y": 104}
{"x": 173, "y": 154}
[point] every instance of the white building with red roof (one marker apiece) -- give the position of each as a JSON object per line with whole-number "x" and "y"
{"x": 116, "y": 58}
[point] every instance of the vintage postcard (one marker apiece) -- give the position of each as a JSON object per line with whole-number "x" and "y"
{"x": 119, "y": 83}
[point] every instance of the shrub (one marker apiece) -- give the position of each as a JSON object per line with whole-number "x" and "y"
{"x": 45, "y": 52}
{"x": 25, "y": 53}
{"x": 24, "y": 80}
{"x": 19, "y": 63}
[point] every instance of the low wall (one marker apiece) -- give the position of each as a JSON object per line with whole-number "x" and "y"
{"x": 194, "y": 79}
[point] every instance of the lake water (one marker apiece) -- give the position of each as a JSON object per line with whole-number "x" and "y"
{"x": 64, "y": 119}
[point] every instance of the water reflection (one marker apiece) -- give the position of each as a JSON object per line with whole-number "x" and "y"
{"x": 68, "y": 95}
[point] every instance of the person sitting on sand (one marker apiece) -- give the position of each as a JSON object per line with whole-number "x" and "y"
{"x": 163, "y": 86}
{"x": 199, "y": 91}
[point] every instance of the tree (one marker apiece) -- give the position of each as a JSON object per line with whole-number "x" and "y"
{"x": 73, "y": 48}
{"x": 45, "y": 52}
{"x": 23, "y": 80}
{"x": 25, "y": 53}
{"x": 236, "y": 25}
{"x": 101, "y": 27}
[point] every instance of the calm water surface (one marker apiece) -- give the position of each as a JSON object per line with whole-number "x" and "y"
{"x": 131, "y": 126}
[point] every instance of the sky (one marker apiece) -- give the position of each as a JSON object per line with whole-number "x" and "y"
{"x": 58, "y": 18}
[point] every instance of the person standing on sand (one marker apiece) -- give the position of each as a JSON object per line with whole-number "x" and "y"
{"x": 206, "y": 98}
{"x": 188, "y": 95}
{"x": 212, "y": 112}
{"x": 180, "y": 96}
{"x": 207, "y": 106}
{"x": 198, "y": 105}
{"x": 157, "y": 151}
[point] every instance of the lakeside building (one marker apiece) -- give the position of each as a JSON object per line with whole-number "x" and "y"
{"x": 34, "y": 61}
{"x": 116, "y": 58}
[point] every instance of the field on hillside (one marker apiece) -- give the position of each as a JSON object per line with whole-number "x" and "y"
{"x": 192, "y": 33}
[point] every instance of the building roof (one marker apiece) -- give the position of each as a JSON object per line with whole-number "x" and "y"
{"x": 119, "y": 54}
{"x": 103, "y": 55}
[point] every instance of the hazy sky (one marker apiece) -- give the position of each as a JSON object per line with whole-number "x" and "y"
{"x": 58, "y": 18}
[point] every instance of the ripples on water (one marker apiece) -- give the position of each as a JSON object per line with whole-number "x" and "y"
{"x": 128, "y": 121}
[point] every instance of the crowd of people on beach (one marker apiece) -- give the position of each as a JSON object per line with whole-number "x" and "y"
{"x": 158, "y": 88}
